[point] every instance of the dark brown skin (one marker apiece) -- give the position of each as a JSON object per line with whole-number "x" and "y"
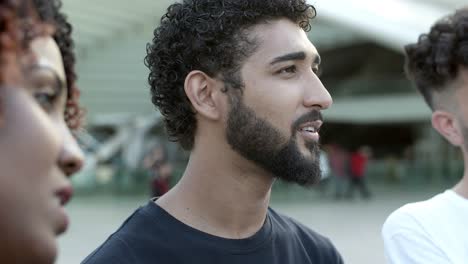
{"x": 38, "y": 152}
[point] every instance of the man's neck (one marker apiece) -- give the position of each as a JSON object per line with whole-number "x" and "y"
{"x": 220, "y": 196}
{"x": 462, "y": 186}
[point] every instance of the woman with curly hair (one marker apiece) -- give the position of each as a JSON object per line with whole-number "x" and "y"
{"x": 434, "y": 231}
{"x": 38, "y": 153}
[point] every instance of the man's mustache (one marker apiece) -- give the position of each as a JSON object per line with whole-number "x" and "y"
{"x": 312, "y": 116}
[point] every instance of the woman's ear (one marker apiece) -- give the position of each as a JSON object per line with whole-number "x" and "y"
{"x": 205, "y": 94}
{"x": 447, "y": 125}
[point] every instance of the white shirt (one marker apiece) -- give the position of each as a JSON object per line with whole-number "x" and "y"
{"x": 432, "y": 231}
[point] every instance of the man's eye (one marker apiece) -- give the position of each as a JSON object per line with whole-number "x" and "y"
{"x": 317, "y": 70}
{"x": 288, "y": 70}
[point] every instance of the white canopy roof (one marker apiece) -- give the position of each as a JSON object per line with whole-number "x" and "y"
{"x": 392, "y": 23}
{"x": 111, "y": 36}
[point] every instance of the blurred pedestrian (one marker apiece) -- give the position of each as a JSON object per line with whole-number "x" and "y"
{"x": 339, "y": 164}
{"x": 325, "y": 172}
{"x": 160, "y": 171}
{"x": 435, "y": 230}
{"x": 358, "y": 167}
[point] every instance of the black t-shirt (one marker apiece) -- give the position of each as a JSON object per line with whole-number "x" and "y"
{"x": 151, "y": 235}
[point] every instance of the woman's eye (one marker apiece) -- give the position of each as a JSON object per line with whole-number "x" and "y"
{"x": 46, "y": 100}
{"x": 44, "y": 89}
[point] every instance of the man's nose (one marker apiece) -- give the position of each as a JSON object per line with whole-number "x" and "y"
{"x": 317, "y": 95}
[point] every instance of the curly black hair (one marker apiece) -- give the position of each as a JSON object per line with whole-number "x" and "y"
{"x": 435, "y": 60}
{"x": 210, "y": 36}
{"x": 50, "y": 11}
{"x": 11, "y": 43}
{"x": 18, "y": 26}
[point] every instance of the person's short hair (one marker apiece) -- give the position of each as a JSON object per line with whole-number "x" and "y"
{"x": 210, "y": 36}
{"x": 434, "y": 62}
{"x": 50, "y": 12}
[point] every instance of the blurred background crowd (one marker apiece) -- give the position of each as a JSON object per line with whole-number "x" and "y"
{"x": 361, "y": 47}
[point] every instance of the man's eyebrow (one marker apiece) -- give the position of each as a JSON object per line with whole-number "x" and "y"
{"x": 300, "y": 55}
{"x": 290, "y": 56}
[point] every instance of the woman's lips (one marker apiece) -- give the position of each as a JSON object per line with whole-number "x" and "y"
{"x": 64, "y": 194}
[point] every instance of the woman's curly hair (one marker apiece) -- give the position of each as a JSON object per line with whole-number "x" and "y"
{"x": 434, "y": 61}
{"x": 210, "y": 36}
{"x": 49, "y": 11}
{"x": 18, "y": 26}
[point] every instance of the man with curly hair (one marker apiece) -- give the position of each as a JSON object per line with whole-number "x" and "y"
{"x": 434, "y": 231}
{"x": 237, "y": 84}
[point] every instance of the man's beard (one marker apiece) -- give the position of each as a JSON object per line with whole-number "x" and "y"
{"x": 259, "y": 141}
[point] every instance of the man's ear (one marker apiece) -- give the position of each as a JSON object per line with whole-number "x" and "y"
{"x": 447, "y": 125}
{"x": 204, "y": 94}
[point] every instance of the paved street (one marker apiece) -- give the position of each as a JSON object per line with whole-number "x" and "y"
{"x": 353, "y": 226}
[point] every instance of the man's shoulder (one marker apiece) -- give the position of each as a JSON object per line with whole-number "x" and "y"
{"x": 420, "y": 232}
{"x": 312, "y": 241}
{"x": 131, "y": 242}
{"x": 414, "y": 216}
{"x": 113, "y": 250}
{"x": 293, "y": 226}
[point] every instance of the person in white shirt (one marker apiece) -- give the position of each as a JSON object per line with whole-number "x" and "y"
{"x": 436, "y": 230}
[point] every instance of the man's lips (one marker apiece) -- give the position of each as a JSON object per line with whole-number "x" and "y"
{"x": 310, "y": 130}
{"x": 311, "y": 122}
{"x": 311, "y": 127}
